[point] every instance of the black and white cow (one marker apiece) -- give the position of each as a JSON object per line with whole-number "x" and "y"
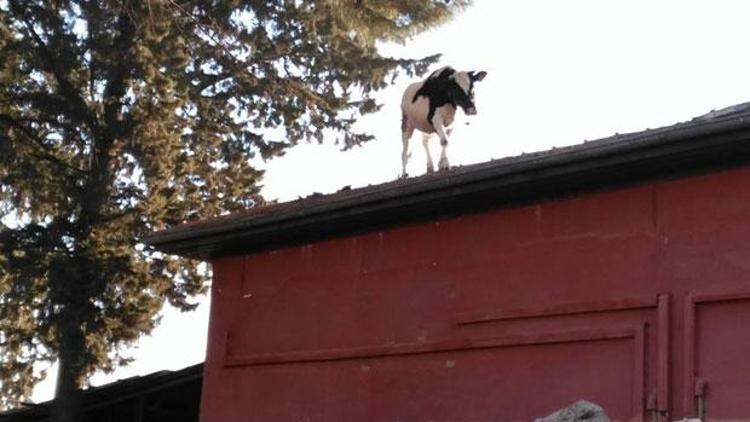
{"x": 430, "y": 106}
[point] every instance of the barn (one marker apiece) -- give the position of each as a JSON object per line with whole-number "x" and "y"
{"x": 615, "y": 271}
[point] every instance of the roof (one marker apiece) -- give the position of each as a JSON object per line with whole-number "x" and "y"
{"x": 166, "y": 395}
{"x": 718, "y": 139}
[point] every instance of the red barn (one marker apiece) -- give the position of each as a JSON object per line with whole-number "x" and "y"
{"x": 615, "y": 271}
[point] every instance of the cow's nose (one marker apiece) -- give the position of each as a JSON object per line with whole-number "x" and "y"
{"x": 471, "y": 111}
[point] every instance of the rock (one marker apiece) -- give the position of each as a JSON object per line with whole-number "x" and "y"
{"x": 580, "y": 411}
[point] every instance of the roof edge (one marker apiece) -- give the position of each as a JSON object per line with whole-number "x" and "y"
{"x": 619, "y": 159}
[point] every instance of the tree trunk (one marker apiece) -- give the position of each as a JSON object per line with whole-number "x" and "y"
{"x": 67, "y": 404}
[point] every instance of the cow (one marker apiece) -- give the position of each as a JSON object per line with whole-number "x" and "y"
{"x": 430, "y": 106}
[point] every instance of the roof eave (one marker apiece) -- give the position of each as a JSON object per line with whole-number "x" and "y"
{"x": 624, "y": 159}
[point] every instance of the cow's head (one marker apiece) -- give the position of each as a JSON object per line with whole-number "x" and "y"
{"x": 462, "y": 90}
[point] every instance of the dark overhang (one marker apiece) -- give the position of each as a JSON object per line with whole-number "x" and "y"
{"x": 165, "y": 396}
{"x": 716, "y": 140}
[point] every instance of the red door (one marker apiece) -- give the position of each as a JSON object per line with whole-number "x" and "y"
{"x": 717, "y": 349}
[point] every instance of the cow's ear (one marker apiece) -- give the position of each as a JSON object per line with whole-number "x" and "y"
{"x": 477, "y": 76}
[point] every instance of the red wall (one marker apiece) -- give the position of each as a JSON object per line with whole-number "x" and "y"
{"x": 625, "y": 298}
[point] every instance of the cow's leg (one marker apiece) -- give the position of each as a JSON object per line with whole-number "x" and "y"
{"x": 406, "y": 132}
{"x": 443, "y": 164}
{"x": 426, "y": 144}
{"x": 437, "y": 123}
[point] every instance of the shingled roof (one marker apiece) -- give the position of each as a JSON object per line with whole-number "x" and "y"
{"x": 719, "y": 139}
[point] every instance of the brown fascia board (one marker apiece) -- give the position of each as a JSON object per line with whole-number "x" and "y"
{"x": 702, "y": 144}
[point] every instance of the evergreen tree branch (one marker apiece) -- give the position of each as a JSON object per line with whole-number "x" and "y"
{"x": 66, "y": 88}
{"x": 116, "y": 83}
{"x": 202, "y": 27}
{"x": 47, "y": 154}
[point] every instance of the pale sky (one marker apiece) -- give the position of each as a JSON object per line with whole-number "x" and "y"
{"x": 559, "y": 73}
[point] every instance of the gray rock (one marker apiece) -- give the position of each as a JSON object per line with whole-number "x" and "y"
{"x": 580, "y": 411}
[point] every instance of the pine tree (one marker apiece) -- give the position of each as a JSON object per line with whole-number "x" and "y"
{"x": 118, "y": 118}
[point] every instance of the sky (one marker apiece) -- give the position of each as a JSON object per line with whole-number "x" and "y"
{"x": 559, "y": 73}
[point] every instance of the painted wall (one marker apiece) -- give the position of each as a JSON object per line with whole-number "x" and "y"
{"x": 625, "y": 298}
